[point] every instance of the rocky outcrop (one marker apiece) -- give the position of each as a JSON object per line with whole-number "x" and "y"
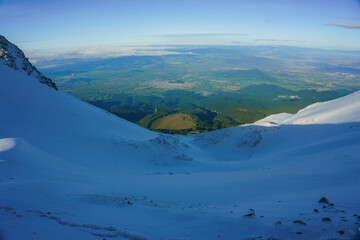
{"x": 12, "y": 56}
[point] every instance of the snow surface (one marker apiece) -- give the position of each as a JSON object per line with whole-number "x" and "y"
{"x": 69, "y": 170}
{"x": 336, "y": 111}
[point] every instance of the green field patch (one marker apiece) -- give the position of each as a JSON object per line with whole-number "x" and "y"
{"x": 175, "y": 121}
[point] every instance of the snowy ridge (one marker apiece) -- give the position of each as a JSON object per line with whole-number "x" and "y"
{"x": 12, "y": 56}
{"x": 69, "y": 170}
{"x": 342, "y": 110}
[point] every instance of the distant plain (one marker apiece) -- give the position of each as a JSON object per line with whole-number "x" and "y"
{"x": 204, "y": 88}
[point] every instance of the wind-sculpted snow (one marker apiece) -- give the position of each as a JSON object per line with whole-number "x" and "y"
{"x": 92, "y": 229}
{"x": 248, "y": 136}
{"x": 69, "y": 170}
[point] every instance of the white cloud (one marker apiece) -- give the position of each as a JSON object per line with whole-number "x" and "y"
{"x": 277, "y": 40}
{"x": 192, "y": 35}
{"x": 46, "y": 55}
{"x": 345, "y": 25}
{"x": 291, "y": 97}
{"x": 347, "y": 18}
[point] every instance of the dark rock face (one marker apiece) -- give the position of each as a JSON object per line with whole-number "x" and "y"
{"x": 323, "y": 200}
{"x": 12, "y": 56}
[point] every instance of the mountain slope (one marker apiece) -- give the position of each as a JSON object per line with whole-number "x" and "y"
{"x": 342, "y": 110}
{"x": 66, "y": 127}
{"x": 69, "y": 170}
{"x": 13, "y": 57}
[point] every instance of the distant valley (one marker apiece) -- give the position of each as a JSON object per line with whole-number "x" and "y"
{"x": 200, "y": 89}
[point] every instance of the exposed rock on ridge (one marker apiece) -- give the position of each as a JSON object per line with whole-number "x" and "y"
{"x": 13, "y": 57}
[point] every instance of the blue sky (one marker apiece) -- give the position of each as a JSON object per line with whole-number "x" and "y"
{"x": 45, "y": 24}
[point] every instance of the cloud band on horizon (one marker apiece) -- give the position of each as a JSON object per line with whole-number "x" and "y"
{"x": 346, "y": 18}
{"x": 345, "y": 25}
{"x": 189, "y": 35}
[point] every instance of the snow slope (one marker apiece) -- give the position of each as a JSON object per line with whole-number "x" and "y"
{"x": 69, "y": 170}
{"x": 343, "y": 110}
